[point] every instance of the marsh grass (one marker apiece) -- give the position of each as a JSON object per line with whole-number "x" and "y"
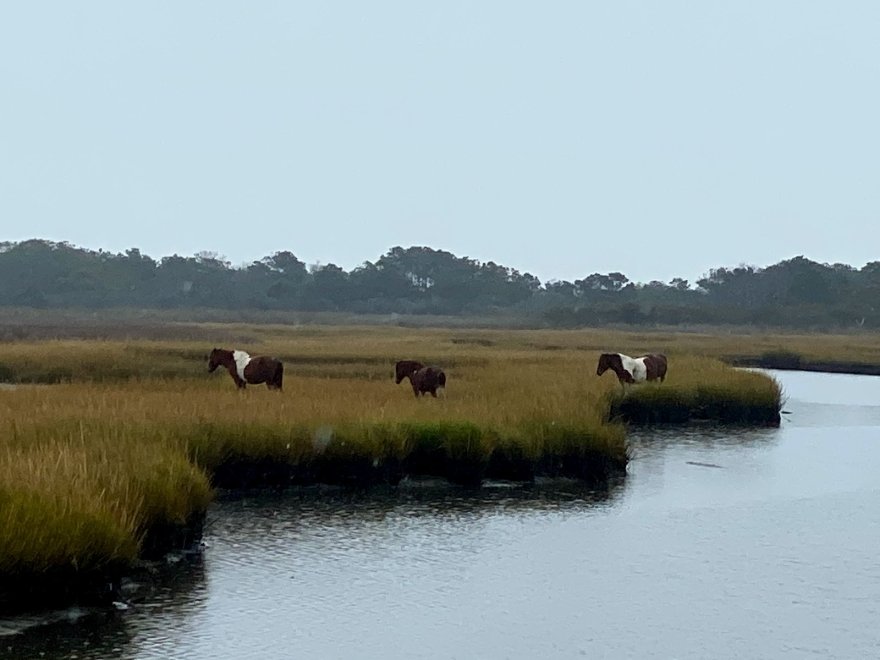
{"x": 365, "y": 352}
{"x": 82, "y": 496}
{"x": 703, "y": 389}
{"x": 133, "y": 435}
{"x": 86, "y": 469}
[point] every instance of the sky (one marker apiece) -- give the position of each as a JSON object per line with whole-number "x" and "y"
{"x": 657, "y": 139}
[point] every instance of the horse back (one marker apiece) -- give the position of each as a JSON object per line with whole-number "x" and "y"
{"x": 264, "y": 369}
{"x": 428, "y": 379}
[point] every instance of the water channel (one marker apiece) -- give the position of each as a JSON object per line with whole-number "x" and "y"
{"x": 745, "y": 543}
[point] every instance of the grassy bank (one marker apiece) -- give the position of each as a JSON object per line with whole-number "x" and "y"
{"x": 790, "y": 360}
{"x": 79, "y": 503}
{"x": 105, "y": 443}
{"x": 708, "y": 390}
{"x": 88, "y": 469}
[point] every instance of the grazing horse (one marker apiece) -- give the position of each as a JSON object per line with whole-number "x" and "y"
{"x": 423, "y": 379}
{"x": 633, "y": 370}
{"x": 405, "y": 369}
{"x": 245, "y": 369}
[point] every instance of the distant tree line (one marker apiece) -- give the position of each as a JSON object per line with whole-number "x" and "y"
{"x": 797, "y": 293}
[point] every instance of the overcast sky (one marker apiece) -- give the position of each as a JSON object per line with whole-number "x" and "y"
{"x": 658, "y": 139}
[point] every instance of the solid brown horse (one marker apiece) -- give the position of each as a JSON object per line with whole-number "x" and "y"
{"x": 245, "y": 369}
{"x": 423, "y": 379}
{"x": 633, "y": 370}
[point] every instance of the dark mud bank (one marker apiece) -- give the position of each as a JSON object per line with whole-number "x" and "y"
{"x": 356, "y": 472}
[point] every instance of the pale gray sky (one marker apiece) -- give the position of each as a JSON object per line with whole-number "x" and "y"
{"x": 659, "y": 139}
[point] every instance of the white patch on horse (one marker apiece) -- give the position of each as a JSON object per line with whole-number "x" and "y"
{"x": 635, "y": 366}
{"x": 241, "y": 361}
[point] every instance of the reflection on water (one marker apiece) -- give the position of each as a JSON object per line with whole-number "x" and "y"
{"x": 172, "y": 592}
{"x": 720, "y": 543}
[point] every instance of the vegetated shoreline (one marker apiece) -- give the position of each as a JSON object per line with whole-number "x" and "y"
{"x": 639, "y": 412}
{"x": 238, "y": 475}
{"x": 802, "y": 364}
{"x": 63, "y": 586}
{"x": 233, "y": 468}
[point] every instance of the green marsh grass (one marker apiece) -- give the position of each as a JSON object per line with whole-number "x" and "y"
{"x": 83, "y": 496}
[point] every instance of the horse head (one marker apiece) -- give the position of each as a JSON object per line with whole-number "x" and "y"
{"x": 404, "y": 369}
{"x": 604, "y": 363}
{"x": 614, "y": 362}
{"x": 215, "y": 359}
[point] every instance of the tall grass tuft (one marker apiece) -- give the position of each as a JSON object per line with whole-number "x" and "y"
{"x": 82, "y": 496}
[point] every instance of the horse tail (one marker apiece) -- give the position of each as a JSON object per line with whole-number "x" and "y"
{"x": 278, "y": 376}
{"x": 441, "y": 378}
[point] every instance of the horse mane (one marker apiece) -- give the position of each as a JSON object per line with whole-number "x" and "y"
{"x": 614, "y": 361}
{"x": 221, "y": 352}
{"x": 406, "y": 369}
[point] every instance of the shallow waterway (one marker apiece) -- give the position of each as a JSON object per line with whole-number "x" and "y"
{"x": 718, "y": 544}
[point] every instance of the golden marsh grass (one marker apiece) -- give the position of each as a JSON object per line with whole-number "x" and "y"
{"x": 133, "y": 432}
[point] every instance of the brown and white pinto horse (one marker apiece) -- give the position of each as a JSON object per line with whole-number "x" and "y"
{"x": 245, "y": 369}
{"x": 423, "y": 379}
{"x": 633, "y": 370}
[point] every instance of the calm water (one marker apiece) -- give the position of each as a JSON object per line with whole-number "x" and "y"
{"x": 733, "y": 544}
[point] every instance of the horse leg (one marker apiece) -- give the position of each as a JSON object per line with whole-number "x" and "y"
{"x": 434, "y": 392}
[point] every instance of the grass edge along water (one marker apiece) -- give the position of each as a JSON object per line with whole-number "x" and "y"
{"x": 91, "y": 469}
